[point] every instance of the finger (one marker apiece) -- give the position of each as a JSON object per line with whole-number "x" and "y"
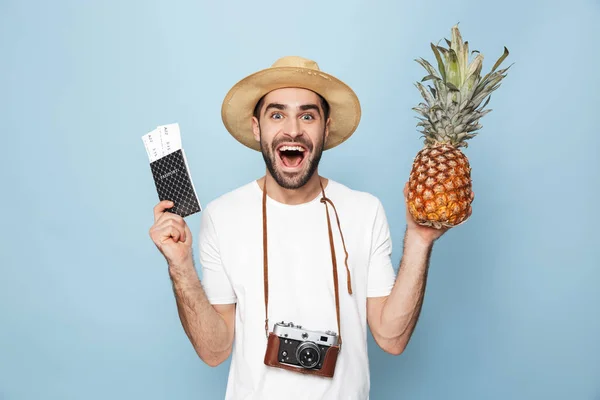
{"x": 180, "y": 225}
{"x": 173, "y": 221}
{"x": 160, "y": 234}
{"x": 168, "y": 217}
{"x": 168, "y": 232}
{"x": 184, "y": 230}
{"x": 187, "y": 234}
{"x": 160, "y": 208}
{"x": 172, "y": 233}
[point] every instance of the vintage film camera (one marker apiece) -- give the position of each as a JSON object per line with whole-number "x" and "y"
{"x": 296, "y": 348}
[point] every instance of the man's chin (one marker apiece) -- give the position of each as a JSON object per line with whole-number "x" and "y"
{"x": 291, "y": 180}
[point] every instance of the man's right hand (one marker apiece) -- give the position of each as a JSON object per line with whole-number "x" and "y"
{"x": 171, "y": 235}
{"x": 209, "y": 328}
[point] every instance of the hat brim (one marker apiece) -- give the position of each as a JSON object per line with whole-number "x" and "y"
{"x": 239, "y": 103}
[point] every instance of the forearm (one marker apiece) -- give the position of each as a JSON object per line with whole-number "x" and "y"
{"x": 204, "y": 326}
{"x": 403, "y": 306}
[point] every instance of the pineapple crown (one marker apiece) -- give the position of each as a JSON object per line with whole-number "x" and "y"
{"x": 453, "y": 106}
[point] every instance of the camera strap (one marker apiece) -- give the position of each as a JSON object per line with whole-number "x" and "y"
{"x": 324, "y": 200}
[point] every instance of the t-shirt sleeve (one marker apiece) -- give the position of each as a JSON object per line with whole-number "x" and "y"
{"x": 381, "y": 275}
{"x": 215, "y": 281}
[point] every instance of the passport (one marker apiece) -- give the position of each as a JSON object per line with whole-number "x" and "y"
{"x": 170, "y": 170}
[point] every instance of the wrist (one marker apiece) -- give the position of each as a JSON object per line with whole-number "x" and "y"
{"x": 415, "y": 239}
{"x": 181, "y": 269}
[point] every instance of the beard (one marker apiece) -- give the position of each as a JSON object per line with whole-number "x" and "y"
{"x": 298, "y": 179}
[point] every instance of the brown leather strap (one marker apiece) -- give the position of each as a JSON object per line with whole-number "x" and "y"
{"x": 265, "y": 257}
{"x": 324, "y": 200}
{"x": 349, "y": 280}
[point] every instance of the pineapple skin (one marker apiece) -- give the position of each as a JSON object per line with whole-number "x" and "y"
{"x": 439, "y": 187}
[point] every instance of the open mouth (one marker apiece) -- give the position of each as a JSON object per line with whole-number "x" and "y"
{"x": 291, "y": 156}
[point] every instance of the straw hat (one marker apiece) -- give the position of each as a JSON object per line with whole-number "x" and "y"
{"x": 238, "y": 106}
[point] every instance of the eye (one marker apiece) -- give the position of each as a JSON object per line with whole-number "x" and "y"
{"x": 307, "y": 117}
{"x": 276, "y": 115}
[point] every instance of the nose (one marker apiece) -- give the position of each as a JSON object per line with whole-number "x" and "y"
{"x": 292, "y": 128}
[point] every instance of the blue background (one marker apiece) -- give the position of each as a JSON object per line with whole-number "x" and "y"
{"x": 86, "y": 307}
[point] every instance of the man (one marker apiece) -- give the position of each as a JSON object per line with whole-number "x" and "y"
{"x": 268, "y": 248}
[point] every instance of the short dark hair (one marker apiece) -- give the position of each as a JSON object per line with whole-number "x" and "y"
{"x": 324, "y": 106}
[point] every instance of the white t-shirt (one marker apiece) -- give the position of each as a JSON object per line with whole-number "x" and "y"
{"x": 300, "y": 283}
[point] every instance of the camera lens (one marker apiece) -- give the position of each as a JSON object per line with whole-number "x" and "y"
{"x": 308, "y": 354}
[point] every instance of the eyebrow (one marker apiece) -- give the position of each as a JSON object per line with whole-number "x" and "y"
{"x": 303, "y": 107}
{"x": 274, "y": 105}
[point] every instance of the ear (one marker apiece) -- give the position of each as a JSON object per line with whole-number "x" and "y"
{"x": 327, "y": 128}
{"x": 256, "y": 129}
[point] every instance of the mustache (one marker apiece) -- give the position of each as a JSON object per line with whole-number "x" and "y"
{"x": 305, "y": 142}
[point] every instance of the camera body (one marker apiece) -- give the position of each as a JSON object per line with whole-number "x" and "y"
{"x": 296, "y": 348}
{"x": 302, "y": 347}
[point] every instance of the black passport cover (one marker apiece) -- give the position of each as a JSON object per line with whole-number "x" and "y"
{"x": 173, "y": 182}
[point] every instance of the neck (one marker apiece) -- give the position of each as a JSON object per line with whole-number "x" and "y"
{"x": 293, "y": 196}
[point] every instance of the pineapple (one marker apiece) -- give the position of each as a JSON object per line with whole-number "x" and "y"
{"x": 439, "y": 187}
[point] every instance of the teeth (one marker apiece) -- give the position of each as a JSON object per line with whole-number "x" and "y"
{"x": 291, "y": 148}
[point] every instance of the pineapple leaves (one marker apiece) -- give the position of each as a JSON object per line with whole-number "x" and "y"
{"x": 486, "y": 102}
{"x": 443, "y": 51}
{"x": 449, "y": 98}
{"x": 475, "y": 127}
{"x": 433, "y": 91}
{"x": 438, "y": 57}
{"x": 425, "y": 64}
{"x": 426, "y": 95}
{"x": 453, "y": 75}
{"x": 497, "y": 64}
{"x": 487, "y": 85}
{"x": 504, "y": 55}
{"x": 429, "y": 77}
{"x": 457, "y": 95}
{"x": 452, "y": 87}
{"x": 462, "y": 57}
{"x": 465, "y": 54}
{"x": 472, "y": 76}
{"x": 422, "y": 110}
{"x": 475, "y": 66}
{"x": 476, "y": 101}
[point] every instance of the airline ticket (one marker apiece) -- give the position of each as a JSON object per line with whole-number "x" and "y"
{"x": 162, "y": 141}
